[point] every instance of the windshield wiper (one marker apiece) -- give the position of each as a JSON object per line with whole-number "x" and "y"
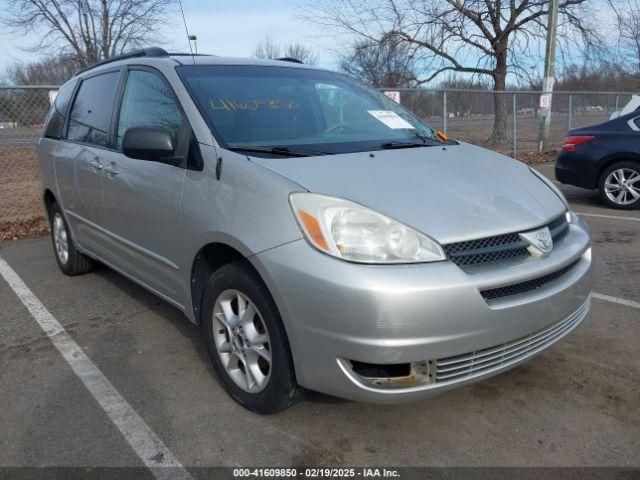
{"x": 392, "y": 145}
{"x": 278, "y": 151}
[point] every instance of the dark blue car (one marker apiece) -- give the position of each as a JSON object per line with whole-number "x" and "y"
{"x": 606, "y": 157}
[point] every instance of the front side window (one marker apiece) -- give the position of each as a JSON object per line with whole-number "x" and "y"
{"x": 91, "y": 112}
{"x": 298, "y": 108}
{"x": 148, "y": 102}
{"x": 56, "y": 118}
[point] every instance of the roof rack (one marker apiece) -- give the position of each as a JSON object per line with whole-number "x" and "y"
{"x": 289, "y": 59}
{"x": 187, "y": 54}
{"x": 147, "y": 52}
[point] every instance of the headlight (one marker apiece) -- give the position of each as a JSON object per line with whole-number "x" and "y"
{"x": 355, "y": 233}
{"x": 568, "y": 216}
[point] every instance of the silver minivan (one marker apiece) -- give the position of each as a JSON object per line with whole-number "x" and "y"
{"x": 322, "y": 236}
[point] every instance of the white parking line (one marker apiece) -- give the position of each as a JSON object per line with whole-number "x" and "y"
{"x": 615, "y": 217}
{"x": 153, "y": 453}
{"x": 619, "y": 301}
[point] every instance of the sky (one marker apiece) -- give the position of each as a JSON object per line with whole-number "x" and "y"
{"x": 228, "y": 28}
{"x": 234, "y": 27}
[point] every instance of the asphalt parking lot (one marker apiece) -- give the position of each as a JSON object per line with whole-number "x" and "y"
{"x": 577, "y": 404}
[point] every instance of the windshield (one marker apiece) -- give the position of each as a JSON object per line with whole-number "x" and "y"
{"x": 298, "y": 109}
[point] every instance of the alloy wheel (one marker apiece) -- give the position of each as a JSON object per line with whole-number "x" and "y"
{"x": 242, "y": 341}
{"x": 60, "y": 238}
{"x": 622, "y": 186}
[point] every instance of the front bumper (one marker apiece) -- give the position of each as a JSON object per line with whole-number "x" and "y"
{"x": 336, "y": 312}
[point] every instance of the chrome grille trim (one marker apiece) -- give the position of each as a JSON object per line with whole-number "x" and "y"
{"x": 461, "y": 367}
{"x": 498, "y": 248}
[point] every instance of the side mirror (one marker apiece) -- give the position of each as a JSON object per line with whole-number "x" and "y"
{"x": 148, "y": 143}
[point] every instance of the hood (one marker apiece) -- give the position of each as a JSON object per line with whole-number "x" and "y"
{"x": 451, "y": 193}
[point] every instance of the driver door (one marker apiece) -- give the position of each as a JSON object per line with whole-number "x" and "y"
{"x": 141, "y": 197}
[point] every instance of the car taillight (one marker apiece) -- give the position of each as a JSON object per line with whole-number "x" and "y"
{"x": 570, "y": 143}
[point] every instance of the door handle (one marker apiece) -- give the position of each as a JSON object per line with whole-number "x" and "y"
{"x": 95, "y": 163}
{"x": 112, "y": 170}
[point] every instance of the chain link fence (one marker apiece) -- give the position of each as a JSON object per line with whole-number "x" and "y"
{"x": 22, "y": 114}
{"x": 507, "y": 122}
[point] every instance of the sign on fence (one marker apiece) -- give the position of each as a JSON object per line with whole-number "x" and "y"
{"x": 393, "y": 95}
{"x": 544, "y": 101}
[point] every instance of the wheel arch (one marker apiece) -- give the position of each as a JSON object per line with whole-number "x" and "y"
{"x": 618, "y": 157}
{"x": 49, "y": 199}
{"x": 211, "y": 257}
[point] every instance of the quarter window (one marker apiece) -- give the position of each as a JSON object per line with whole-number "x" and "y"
{"x": 55, "y": 121}
{"x": 148, "y": 102}
{"x": 91, "y": 112}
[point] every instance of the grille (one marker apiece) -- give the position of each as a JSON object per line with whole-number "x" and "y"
{"x": 498, "y": 248}
{"x": 526, "y": 286}
{"x": 481, "y": 361}
{"x": 559, "y": 228}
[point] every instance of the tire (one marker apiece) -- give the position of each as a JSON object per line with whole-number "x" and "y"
{"x": 621, "y": 198}
{"x": 229, "y": 337}
{"x": 70, "y": 260}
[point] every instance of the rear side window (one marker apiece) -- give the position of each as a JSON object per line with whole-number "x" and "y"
{"x": 148, "y": 102}
{"x": 91, "y": 112}
{"x": 56, "y": 118}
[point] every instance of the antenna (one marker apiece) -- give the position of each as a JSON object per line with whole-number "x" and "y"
{"x": 186, "y": 29}
{"x": 193, "y": 141}
{"x": 194, "y": 39}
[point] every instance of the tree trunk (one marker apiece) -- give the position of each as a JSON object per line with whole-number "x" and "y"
{"x": 105, "y": 27}
{"x": 499, "y": 86}
{"x": 500, "y": 107}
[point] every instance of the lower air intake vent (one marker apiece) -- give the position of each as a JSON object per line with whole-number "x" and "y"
{"x": 476, "y": 363}
{"x": 526, "y": 286}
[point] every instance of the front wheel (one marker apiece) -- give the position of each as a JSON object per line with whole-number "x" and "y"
{"x": 619, "y": 185}
{"x": 246, "y": 340}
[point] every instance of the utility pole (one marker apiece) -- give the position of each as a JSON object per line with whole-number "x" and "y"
{"x": 549, "y": 75}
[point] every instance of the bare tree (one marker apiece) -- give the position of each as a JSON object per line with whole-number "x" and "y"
{"x": 474, "y": 37}
{"x": 51, "y": 71}
{"x": 389, "y": 64}
{"x": 88, "y": 30}
{"x": 301, "y": 52}
{"x": 628, "y": 19}
{"x": 267, "y": 48}
{"x": 606, "y": 75}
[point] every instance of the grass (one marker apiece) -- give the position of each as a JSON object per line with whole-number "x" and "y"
{"x": 21, "y": 210}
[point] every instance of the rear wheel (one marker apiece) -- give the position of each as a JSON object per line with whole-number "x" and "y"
{"x": 69, "y": 259}
{"x": 619, "y": 185}
{"x": 246, "y": 340}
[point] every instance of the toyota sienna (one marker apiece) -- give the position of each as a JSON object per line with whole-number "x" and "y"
{"x": 322, "y": 236}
